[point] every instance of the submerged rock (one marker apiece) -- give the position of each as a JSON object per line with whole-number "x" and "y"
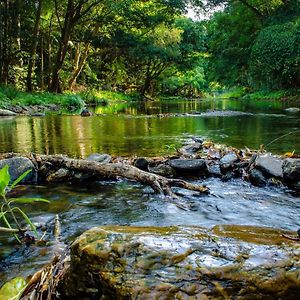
{"x": 241, "y": 262}
{"x": 19, "y": 165}
{"x": 269, "y": 165}
{"x": 189, "y": 165}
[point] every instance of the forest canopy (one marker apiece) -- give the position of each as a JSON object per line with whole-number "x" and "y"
{"x": 149, "y": 47}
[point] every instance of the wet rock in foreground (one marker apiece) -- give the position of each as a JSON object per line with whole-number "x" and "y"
{"x": 228, "y": 262}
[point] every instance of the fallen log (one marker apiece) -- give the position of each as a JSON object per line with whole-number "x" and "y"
{"x": 159, "y": 184}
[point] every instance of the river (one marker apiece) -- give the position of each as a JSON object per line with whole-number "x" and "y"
{"x": 140, "y": 129}
{"x": 127, "y": 129}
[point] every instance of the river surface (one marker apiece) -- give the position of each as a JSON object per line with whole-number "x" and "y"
{"x": 130, "y": 129}
{"x": 127, "y": 129}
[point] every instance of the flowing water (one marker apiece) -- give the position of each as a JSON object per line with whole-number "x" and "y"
{"x": 130, "y": 129}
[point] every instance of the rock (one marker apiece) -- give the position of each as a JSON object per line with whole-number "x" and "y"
{"x": 222, "y": 113}
{"x": 86, "y": 113}
{"x": 19, "y": 165}
{"x": 141, "y": 163}
{"x": 38, "y": 114}
{"x": 163, "y": 170}
{"x": 269, "y": 165}
{"x": 257, "y": 178}
{"x": 198, "y": 139}
{"x": 292, "y": 109}
{"x": 214, "y": 170}
{"x": 191, "y": 148}
{"x": 228, "y": 160}
{"x": 7, "y": 113}
{"x": 100, "y": 158}
{"x": 189, "y": 165}
{"x": 241, "y": 262}
{"x": 58, "y": 176}
{"x": 291, "y": 173}
{"x": 291, "y": 169}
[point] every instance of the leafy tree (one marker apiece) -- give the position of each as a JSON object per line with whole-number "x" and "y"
{"x": 275, "y": 57}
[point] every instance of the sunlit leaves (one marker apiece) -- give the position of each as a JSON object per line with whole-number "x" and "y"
{"x": 13, "y": 289}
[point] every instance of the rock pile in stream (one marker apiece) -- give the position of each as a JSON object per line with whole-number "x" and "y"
{"x": 203, "y": 159}
{"x": 197, "y": 159}
{"x": 227, "y": 262}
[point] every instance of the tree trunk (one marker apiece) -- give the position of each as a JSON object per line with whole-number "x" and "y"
{"x": 79, "y": 62}
{"x": 34, "y": 46}
{"x": 42, "y": 84}
{"x": 5, "y": 50}
{"x": 66, "y": 32}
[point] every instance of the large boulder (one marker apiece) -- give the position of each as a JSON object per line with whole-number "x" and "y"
{"x": 270, "y": 165}
{"x": 239, "y": 262}
{"x": 194, "y": 166}
{"x": 19, "y": 165}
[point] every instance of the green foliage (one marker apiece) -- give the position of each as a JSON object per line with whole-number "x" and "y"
{"x": 268, "y": 94}
{"x": 275, "y": 57}
{"x": 11, "y": 96}
{"x": 9, "y": 209}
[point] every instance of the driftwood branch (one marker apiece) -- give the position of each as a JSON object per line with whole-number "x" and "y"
{"x": 159, "y": 184}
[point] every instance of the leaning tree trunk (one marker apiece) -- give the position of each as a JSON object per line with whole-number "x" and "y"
{"x": 79, "y": 62}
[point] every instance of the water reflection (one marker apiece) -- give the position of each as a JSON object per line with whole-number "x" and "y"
{"x": 127, "y": 129}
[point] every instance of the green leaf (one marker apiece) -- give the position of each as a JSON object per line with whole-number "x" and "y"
{"x": 13, "y": 289}
{"x": 27, "y": 200}
{"x": 4, "y": 179}
{"x": 20, "y": 178}
{"x": 27, "y": 220}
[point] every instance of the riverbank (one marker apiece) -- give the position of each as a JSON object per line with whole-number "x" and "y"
{"x": 248, "y": 94}
{"x": 21, "y": 102}
{"x": 43, "y": 102}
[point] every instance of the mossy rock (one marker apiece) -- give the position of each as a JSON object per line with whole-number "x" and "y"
{"x": 235, "y": 262}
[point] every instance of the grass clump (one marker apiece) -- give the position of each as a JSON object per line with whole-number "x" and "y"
{"x": 267, "y": 94}
{"x": 10, "y": 96}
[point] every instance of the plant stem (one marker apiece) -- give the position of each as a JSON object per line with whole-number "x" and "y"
{"x": 13, "y": 215}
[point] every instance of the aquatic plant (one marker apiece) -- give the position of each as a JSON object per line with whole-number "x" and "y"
{"x": 9, "y": 208}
